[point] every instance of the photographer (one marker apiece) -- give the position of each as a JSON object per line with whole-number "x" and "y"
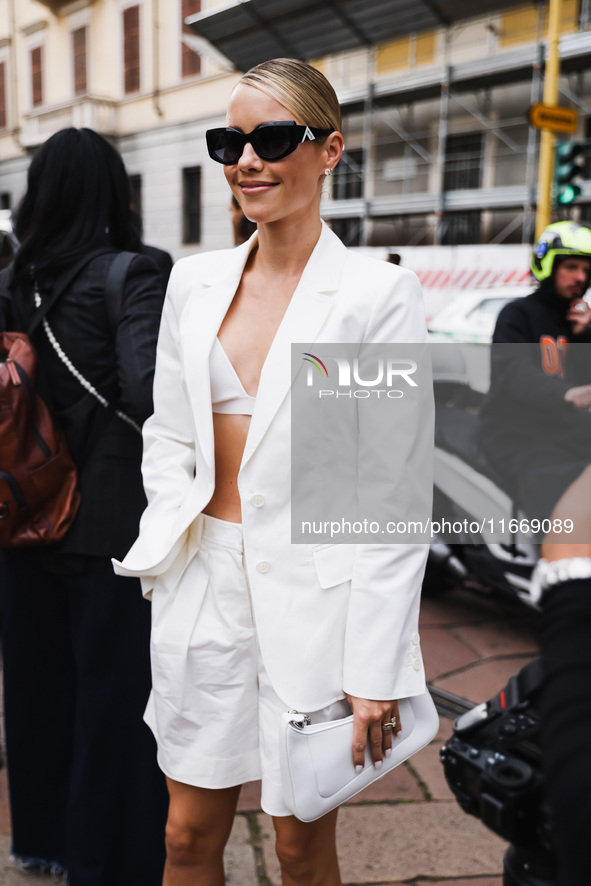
{"x": 562, "y": 584}
{"x": 535, "y": 427}
{"x": 520, "y": 761}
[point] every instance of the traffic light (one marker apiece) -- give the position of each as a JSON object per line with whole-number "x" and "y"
{"x": 568, "y": 166}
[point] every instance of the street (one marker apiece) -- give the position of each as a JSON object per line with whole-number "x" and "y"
{"x": 406, "y": 828}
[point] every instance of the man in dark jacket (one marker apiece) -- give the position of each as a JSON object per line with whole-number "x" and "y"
{"x": 535, "y": 424}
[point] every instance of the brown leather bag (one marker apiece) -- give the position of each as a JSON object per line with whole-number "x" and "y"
{"x": 38, "y": 495}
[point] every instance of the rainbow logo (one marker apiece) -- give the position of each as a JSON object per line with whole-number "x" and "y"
{"x": 317, "y": 362}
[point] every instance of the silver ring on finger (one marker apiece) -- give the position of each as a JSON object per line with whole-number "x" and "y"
{"x": 390, "y": 725}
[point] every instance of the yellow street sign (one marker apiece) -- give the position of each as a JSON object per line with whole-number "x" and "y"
{"x": 554, "y": 117}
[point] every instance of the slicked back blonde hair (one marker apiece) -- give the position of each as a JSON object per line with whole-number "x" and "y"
{"x": 300, "y": 88}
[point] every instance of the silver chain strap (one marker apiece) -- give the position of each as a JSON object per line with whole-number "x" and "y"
{"x": 88, "y": 386}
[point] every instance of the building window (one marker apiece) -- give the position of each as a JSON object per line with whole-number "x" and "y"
{"x": 190, "y": 60}
{"x": 348, "y": 176}
{"x": 131, "y": 49}
{"x": 37, "y": 76}
{"x": 3, "y": 114}
{"x": 348, "y": 230}
{"x": 463, "y": 162}
{"x": 192, "y": 204}
{"x": 79, "y": 55}
{"x": 461, "y": 228}
{"x": 135, "y": 188}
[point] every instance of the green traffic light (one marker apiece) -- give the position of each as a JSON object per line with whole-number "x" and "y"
{"x": 568, "y": 193}
{"x": 568, "y": 166}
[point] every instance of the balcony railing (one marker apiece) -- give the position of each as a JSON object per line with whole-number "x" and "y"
{"x": 93, "y": 113}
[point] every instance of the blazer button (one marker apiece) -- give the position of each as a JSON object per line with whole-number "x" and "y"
{"x": 415, "y": 639}
{"x": 416, "y": 665}
{"x": 258, "y": 500}
{"x": 263, "y": 567}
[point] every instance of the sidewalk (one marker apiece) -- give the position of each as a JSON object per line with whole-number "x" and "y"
{"x": 407, "y": 828}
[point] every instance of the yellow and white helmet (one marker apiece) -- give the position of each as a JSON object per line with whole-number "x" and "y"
{"x": 560, "y": 239}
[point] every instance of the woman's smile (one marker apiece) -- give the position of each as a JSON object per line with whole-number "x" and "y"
{"x": 251, "y": 188}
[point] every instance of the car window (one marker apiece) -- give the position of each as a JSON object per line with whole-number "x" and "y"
{"x": 488, "y": 309}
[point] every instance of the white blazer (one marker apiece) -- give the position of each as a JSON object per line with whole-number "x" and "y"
{"x": 330, "y": 618}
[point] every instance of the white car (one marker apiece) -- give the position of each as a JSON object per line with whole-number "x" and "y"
{"x": 471, "y": 316}
{"x": 469, "y": 320}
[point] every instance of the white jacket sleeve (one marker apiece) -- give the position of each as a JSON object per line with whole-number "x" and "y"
{"x": 382, "y": 656}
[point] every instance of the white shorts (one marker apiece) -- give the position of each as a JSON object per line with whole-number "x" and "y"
{"x": 213, "y": 711}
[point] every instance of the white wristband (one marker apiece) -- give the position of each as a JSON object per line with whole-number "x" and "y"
{"x": 547, "y": 574}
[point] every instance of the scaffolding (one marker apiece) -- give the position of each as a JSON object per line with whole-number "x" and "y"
{"x": 448, "y": 154}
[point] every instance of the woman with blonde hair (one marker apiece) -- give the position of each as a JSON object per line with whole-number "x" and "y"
{"x": 247, "y": 625}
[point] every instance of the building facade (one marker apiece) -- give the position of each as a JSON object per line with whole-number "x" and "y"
{"x": 130, "y": 71}
{"x": 440, "y": 123}
{"x": 438, "y": 145}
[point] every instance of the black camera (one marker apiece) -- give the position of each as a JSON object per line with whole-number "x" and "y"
{"x": 493, "y": 765}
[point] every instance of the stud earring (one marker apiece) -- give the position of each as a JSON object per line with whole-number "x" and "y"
{"x": 328, "y": 171}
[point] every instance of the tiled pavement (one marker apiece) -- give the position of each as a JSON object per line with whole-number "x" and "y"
{"x": 406, "y": 828}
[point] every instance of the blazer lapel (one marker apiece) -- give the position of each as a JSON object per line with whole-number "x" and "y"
{"x": 206, "y": 311}
{"x": 302, "y": 322}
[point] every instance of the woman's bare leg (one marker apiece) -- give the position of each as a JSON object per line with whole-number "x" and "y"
{"x": 575, "y": 504}
{"x": 307, "y": 851}
{"x": 197, "y": 830}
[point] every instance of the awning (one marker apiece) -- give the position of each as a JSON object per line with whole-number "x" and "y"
{"x": 250, "y": 31}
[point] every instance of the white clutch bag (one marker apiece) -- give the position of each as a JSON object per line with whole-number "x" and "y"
{"x": 317, "y": 769}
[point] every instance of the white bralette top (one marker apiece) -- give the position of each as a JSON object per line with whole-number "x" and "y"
{"x": 227, "y": 393}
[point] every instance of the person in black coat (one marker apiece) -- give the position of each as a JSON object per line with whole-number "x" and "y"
{"x": 561, "y": 586}
{"x": 535, "y": 425}
{"x": 86, "y": 794}
{"x": 161, "y": 258}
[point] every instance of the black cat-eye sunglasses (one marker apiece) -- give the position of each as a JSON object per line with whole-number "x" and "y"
{"x": 271, "y": 141}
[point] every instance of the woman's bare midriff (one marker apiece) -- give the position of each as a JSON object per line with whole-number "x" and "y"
{"x": 246, "y": 334}
{"x": 230, "y": 432}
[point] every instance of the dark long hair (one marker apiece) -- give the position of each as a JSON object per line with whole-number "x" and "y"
{"x": 77, "y": 199}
